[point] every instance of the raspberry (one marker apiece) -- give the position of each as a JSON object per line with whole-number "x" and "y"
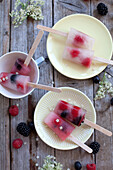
{"x": 95, "y": 146}
{"x": 75, "y": 111}
{"x": 20, "y": 86}
{"x": 91, "y": 167}
{"x": 63, "y": 105}
{"x": 57, "y": 121}
{"x": 74, "y": 53}
{"x": 13, "y": 110}
{"x": 23, "y": 129}
{"x": 86, "y": 62}
{"x": 17, "y": 143}
{"x": 79, "y": 39}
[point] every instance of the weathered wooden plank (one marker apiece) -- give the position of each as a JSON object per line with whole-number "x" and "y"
{"x": 19, "y": 158}
{"x": 103, "y": 109}
{"x": 37, "y": 146}
{"x": 67, "y": 158}
{"x": 4, "y": 102}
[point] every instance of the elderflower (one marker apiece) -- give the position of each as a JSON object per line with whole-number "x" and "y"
{"x": 32, "y": 8}
{"x": 51, "y": 164}
{"x": 104, "y": 87}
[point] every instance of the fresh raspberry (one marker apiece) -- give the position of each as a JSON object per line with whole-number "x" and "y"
{"x": 63, "y": 105}
{"x": 74, "y": 53}
{"x": 91, "y": 167}
{"x": 86, "y": 62}
{"x": 75, "y": 111}
{"x": 13, "y": 110}
{"x": 17, "y": 143}
{"x": 79, "y": 39}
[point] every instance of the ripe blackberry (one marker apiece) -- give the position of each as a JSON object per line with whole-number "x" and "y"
{"x": 95, "y": 146}
{"x": 96, "y": 79}
{"x": 23, "y": 129}
{"x": 77, "y": 165}
{"x": 102, "y": 9}
{"x": 111, "y": 101}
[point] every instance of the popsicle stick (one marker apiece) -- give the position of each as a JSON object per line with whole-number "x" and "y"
{"x": 33, "y": 48}
{"x": 79, "y": 143}
{"x": 44, "y": 28}
{"x": 97, "y": 127}
{"x": 103, "y": 60}
{"x": 44, "y": 87}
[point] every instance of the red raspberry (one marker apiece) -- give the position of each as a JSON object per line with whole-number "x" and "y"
{"x": 86, "y": 62}
{"x": 20, "y": 86}
{"x": 63, "y": 105}
{"x": 91, "y": 167}
{"x": 57, "y": 121}
{"x": 74, "y": 53}
{"x": 79, "y": 39}
{"x": 17, "y": 143}
{"x": 75, "y": 111}
{"x": 13, "y": 110}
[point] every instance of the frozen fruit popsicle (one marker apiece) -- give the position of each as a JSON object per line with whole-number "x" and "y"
{"x": 15, "y": 82}
{"x": 76, "y": 115}
{"x": 62, "y": 128}
{"x": 79, "y": 39}
{"x": 20, "y": 67}
{"x": 70, "y": 112}
{"x": 78, "y": 55}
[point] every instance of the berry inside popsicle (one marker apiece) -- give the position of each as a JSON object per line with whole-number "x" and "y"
{"x": 79, "y": 39}
{"x": 78, "y": 55}
{"x": 20, "y": 67}
{"x": 62, "y": 128}
{"x": 15, "y": 82}
{"x": 74, "y": 114}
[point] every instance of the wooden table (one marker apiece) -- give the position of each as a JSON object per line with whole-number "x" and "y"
{"x": 21, "y": 39}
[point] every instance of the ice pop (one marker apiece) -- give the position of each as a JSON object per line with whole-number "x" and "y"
{"x": 63, "y": 129}
{"x": 78, "y": 55}
{"x": 70, "y": 112}
{"x": 79, "y": 39}
{"x": 76, "y": 115}
{"x": 21, "y": 66}
{"x": 15, "y": 82}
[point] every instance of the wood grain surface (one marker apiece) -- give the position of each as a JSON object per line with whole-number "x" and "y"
{"x": 21, "y": 39}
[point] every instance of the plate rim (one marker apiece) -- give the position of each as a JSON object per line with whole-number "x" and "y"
{"x": 44, "y": 96}
{"x": 97, "y": 20}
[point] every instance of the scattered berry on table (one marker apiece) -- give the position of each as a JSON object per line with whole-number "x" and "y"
{"x": 13, "y": 110}
{"x": 96, "y": 79}
{"x": 77, "y": 165}
{"x": 91, "y": 167}
{"x": 95, "y": 146}
{"x": 111, "y": 101}
{"x": 31, "y": 125}
{"x": 102, "y": 9}
{"x": 17, "y": 143}
{"x": 23, "y": 129}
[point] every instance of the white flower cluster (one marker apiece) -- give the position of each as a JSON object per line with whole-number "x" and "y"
{"x": 32, "y": 8}
{"x": 51, "y": 164}
{"x": 104, "y": 87}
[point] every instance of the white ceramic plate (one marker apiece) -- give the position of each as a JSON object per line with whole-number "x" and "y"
{"x": 103, "y": 46}
{"x": 48, "y": 102}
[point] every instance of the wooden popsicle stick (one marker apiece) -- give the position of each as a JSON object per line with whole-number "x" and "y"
{"x": 44, "y": 87}
{"x": 44, "y": 28}
{"x": 33, "y": 48}
{"x": 79, "y": 143}
{"x": 103, "y": 60}
{"x": 97, "y": 127}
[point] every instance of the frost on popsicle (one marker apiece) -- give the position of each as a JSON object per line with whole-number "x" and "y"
{"x": 32, "y": 8}
{"x": 105, "y": 87}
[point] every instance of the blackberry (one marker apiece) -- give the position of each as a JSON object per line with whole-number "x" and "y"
{"x": 96, "y": 79}
{"x": 64, "y": 113}
{"x": 102, "y": 9}
{"x": 23, "y": 129}
{"x": 77, "y": 165}
{"x": 95, "y": 146}
{"x": 13, "y": 78}
{"x": 31, "y": 125}
{"x": 111, "y": 101}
